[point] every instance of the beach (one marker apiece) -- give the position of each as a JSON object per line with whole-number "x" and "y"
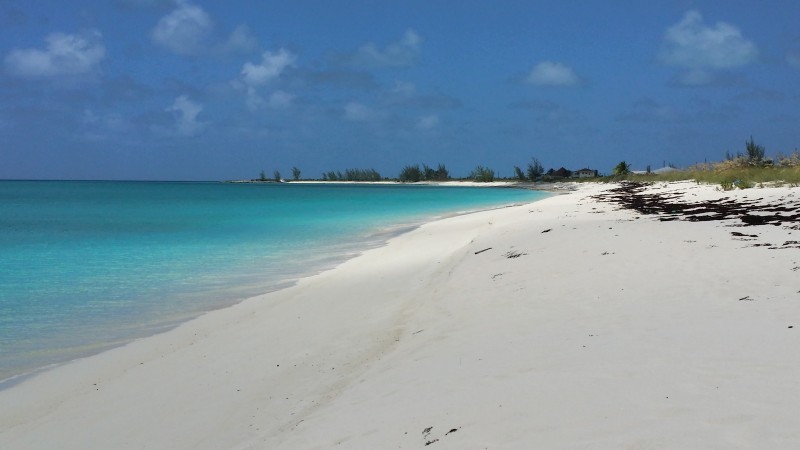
{"x": 578, "y": 321}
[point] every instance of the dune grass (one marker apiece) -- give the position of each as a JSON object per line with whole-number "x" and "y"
{"x": 738, "y": 172}
{"x": 745, "y": 176}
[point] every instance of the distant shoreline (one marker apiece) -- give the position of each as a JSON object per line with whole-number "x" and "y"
{"x": 538, "y": 186}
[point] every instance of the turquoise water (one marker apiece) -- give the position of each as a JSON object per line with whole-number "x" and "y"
{"x": 89, "y": 265}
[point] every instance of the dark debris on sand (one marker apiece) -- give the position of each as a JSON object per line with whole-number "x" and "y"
{"x": 673, "y": 206}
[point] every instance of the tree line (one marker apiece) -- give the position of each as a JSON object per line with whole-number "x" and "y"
{"x": 352, "y": 175}
{"x": 415, "y": 173}
{"x": 753, "y": 157}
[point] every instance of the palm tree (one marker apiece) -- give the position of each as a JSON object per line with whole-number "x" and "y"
{"x": 622, "y": 168}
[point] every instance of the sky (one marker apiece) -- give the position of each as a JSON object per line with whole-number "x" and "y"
{"x": 212, "y": 90}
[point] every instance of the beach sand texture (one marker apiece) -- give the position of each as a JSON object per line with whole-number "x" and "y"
{"x": 571, "y": 322}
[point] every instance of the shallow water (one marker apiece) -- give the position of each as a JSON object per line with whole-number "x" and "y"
{"x": 88, "y": 265}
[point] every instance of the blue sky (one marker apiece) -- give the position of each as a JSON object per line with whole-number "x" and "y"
{"x": 202, "y": 90}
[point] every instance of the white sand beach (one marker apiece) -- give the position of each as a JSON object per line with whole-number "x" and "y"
{"x": 567, "y": 323}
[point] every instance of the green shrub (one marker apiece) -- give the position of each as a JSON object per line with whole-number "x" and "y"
{"x": 755, "y": 153}
{"x": 352, "y": 175}
{"x": 621, "y": 169}
{"x": 482, "y": 174}
{"x": 410, "y": 174}
{"x": 535, "y": 169}
{"x": 413, "y": 174}
{"x": 519, "y": 174}
{"x": 442, "y": 173}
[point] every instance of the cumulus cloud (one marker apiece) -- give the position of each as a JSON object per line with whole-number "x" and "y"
{"x": 255, "y": 75}
{"x": 701, "y": 48}
{"x": 403, "y": 53}
{"x": 186, "y": 112}
{"x": 189, "y": 30}
{"x": 270, "y": 67}
{"x": 64, "y": 54}
{"x": 241, "y": 40}
{"x": 184, "y": 30}
{"x": 549, "y": 73}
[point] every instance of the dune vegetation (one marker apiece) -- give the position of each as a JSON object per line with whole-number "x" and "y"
{"x": 743, "y": 170}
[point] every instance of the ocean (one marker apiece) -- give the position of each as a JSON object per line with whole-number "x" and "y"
{"x": 85, "y": 266}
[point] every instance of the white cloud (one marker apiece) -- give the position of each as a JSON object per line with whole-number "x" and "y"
{"x": 254, "y": 75}
{"x": 549, "y": 73}
{"x": 241, "y": 40}
{"x": 428, "y": 122}
{"x": 65, "y": 54}
{"x": 184, "y": 30}
{"x": 271, "y": 66}
{"x": 186, "y": 112}
{"x": 692, "y": 44}
{"x": 189, "y": 30}
{"x": 403, "y": 53}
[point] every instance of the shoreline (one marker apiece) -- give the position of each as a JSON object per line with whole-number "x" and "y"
{"x": 345, "y": 250}
{"x": 566, "y": 322}
{"x": 536, "y": 186}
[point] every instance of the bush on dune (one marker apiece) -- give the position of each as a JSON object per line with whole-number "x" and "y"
{"x": 741, "y": 171}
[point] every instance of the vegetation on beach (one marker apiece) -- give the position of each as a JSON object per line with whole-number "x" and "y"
{"x": 535, "y": 169}
{"x": 352, "y": 175}
{"x": 482, "y": 174}
{"x": 622, "y": 169}
{"x": 743, "y": 170}
{"x": 728, "y": 176}
{"x": 740, "y": 170}
{"x": 262, "y": 177}
{"x": 414, "y": 174}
